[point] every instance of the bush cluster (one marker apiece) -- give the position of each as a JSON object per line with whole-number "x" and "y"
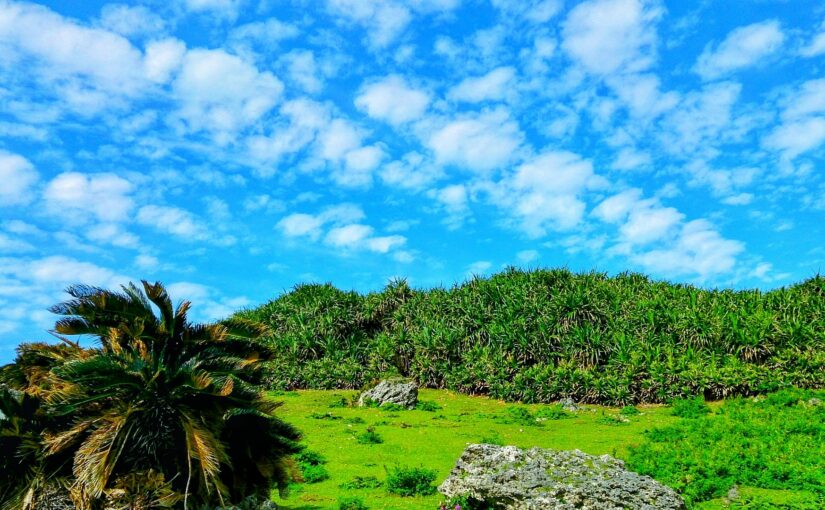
{"x": 772, "y": 442}
{"x": 410, "y": 481}
{"x": 542, "y": 335}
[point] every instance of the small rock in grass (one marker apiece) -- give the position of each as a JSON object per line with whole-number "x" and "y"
{"x": 509, "y": 478}
{"x": 398, "y": 392}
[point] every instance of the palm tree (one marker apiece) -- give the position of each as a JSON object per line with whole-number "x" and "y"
{"x": 176, "y": 404}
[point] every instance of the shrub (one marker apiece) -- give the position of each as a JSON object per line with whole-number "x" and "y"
{"x": 629, "y": 411}
{"x": 427, "y": 405}
{"x": 520, "y": 416}
{"x": 554, "y": 412}
{"x": 362, "y": 482}
{"x": 370, "y": 436}
{"x": 314, "y": 474}
{"x": 772, "y": 443}
{"x": 311, "y": 464}
{"x": 615, "y": 340}
{"x": 492, "y": 438}
{"x": 351, "y": 503}
{"x": 690, "y": 407}
{"x": 411, "y": 481}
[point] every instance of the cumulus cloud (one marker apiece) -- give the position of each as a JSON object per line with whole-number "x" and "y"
{"x": 546, "y": 192}
{"x": 481, "y": 142}
{"x": 222, "y": 93}
{"x": 384, "y": 20}
{"x": 803, "y": 121}
{"x": 698, "y": 249}
{"x": 18, "y": 176}
{"x": 105, "y": 61}
{"x": 816, "y": 46}
{"x": 492, "y": 86}
{"x": 131, "y": 20}
{"x": 392, "y": 100}
{"x": 173, "y": 220}
{"x": 605, "y": 36}
{"x": 338, "y": 227}
{"x": 102, "y": 196}
{"x": 742, "y": 48}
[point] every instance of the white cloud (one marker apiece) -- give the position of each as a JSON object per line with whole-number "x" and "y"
{"x": 803, "y": 121}
{"x": 304, "y": 70}
{"x": 147, "y": 262}
{"x": 10, "y": 244}
{"x": 114, "y": 234}
{"x": 795, "y": 138}
{"x": 131, "y": 20}
{"x": 545, "y": 193}
{"x": 54, "y": 272}
{"x": 479, "y": 267}
{"x": 222, "y": 93}
{"x": 615, "y": 208}
{"x": 454, "y": 201}
{"x": 817, "y": 45}
{"x": 701, "y": 120}
{"x": 173, "y": 220}
{"x": 267, "y": 34}
{"x": 18, "y": 176}
{"x": 698, "y": 250}
{"x": 163, "y": 58}
{"x": 413, "y": 171}
{"x": 103, "y": 196}
{"x": 392, "y": 100}
{"x": 648, "y": 224}
{"x": 342, "y": 230}
{"x": 482, "y": 142}
{"x": 60, "y": 49}
{"x": 384, "y": 20}
{"x": 536, "y": 11}
{"x": 300, "y": 224}
{"x": 606, "y": 36}
{"x": 527, "y": 256}
{"x": 494, "y": 86}
{"x": 227, "y": 8}
{"x": 743, "y": 47}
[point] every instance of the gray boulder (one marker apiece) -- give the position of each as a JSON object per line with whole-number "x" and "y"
{"x": 399, "y": 392}
{"x": 509, "y": 478}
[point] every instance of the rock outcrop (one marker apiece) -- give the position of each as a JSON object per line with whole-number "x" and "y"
{"x": 398, "y": 392}
{"x": 509, "y": 478}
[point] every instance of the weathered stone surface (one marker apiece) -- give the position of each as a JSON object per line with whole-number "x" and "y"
{"x": 399, "y": 392}
{"x": 570, "y": 405}
{"x": 510, "y": 478}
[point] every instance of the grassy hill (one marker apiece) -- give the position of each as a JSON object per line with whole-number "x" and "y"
{"x": 540, "y": 335}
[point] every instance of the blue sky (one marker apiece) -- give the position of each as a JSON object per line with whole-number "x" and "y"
{"x": 234, "y": 148}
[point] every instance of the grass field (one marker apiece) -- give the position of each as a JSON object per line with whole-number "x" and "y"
{"x": 434, "y": 439}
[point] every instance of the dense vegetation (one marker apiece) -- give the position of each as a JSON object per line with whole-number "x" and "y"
{"x": 162, "y": 413}
{"x": 538, "y": 336}
{"x": 773, "y": 442}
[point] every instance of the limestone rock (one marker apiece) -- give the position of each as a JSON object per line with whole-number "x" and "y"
{"x": 509, "y": 478}
{"x": 399, "y": 392}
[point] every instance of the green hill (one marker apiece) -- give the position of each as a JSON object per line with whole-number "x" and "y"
{"x": 541, "y": 335}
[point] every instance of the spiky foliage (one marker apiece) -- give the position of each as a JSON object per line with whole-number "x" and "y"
{"x": 547, "y": 334}
{"x": 161, "y": 405}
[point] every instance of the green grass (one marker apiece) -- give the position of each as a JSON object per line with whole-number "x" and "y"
{"x": 435, "y": 439}
{"x": 772, "y": 447}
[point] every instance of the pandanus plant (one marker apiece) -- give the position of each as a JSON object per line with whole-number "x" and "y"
{"x": 161, "y": 405}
